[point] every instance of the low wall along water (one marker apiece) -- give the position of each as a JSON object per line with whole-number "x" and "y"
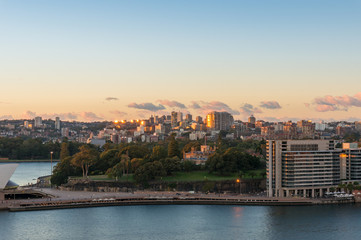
{"x": 244, "y": 186}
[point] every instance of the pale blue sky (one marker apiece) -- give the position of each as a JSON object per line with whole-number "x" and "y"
{"x": 59, "y": 57}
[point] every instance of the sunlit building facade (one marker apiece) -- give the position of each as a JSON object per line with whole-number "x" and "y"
{"x": 219, "y": 120}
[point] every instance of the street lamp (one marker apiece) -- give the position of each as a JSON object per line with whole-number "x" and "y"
{"x": 239, "y": 181}
{"x": 51, "y": 162}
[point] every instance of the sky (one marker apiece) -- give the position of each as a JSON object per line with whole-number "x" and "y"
{"x": 106, "y": 60}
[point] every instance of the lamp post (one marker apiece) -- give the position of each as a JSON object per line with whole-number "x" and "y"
{"x": 239, "y": 181}
{"x": 51, "y": 162}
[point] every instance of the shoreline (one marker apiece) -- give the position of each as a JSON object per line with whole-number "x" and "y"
{"x": 68, "y": 199}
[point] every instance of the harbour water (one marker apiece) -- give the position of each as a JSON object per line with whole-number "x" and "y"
{"x": 186, "y": 222}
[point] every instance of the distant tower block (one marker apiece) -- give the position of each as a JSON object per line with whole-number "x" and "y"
{"x": 252, "y": 119}
{"x": 57, "y": 123}
{"x": 38, "y": 122}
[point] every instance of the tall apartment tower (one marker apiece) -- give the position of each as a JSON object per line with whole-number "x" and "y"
{"x": 199, "y": 119}
{"x": 176, "y": 117}
{"x": 219, "y": 120}
{"x": 252, "y": 119}
{"x": 189, "y": 117}
{"x": 38, "y": 122}
{"x": 57, "y": 123}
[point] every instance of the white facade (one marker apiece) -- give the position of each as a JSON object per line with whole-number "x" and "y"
{"x": 38, "y": 122}
{"x": 6, "y": 171}
{"x": 57, "y": 123}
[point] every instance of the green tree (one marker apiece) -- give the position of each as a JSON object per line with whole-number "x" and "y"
{"x": 173, "y": 149}
{"x": 171, "y": 165}
{"x": 64, "y": 150}
{"x": 125, "y": 162}
{"x": 116, "y": 171}
{"x": 135, "y": 163}
{"x": 85, "y": 158}
{"x": 135, "y": 151}
{"x": 107, "y": 159}
{"x": 158, "y": 152}
{"x": 350, "y": 187}
{"x": 188, "y": 147}
{"x": 63, "y": 170}
{"x": 231, "y": 161}
{"x": 149, "y": 171}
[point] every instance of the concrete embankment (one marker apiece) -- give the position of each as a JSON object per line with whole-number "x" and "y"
{"x": 46, "y": 205}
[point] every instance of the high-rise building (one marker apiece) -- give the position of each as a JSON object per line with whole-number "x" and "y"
{"x": 151, "y": 120}
{"x": 38, "y": 122}
{"x": 176, "y": 117}
{"x": 57, "y": 123}
{"x": 189, "y": 117}
{"x": 309, "y": 168}
{"x": 65, "y": 132}
{"x": 199, "y": 119}
{"x": 219, "y": 120}
{"x": 252, "y": 120}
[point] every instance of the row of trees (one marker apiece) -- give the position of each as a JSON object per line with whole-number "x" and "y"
{"x": 232, "y": 160}
{"x": 20, "y": 148}
{"x": 146, "y": 162}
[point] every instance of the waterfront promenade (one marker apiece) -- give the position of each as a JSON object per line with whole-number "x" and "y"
{"x": 74, "y": 199}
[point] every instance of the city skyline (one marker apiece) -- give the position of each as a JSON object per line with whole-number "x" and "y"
{"x": 90, "y": 61}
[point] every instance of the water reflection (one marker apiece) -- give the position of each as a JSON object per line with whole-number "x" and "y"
{"x": 186, "y": 222}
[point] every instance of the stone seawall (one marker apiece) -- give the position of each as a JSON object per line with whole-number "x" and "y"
{"x": 244, "y": 186}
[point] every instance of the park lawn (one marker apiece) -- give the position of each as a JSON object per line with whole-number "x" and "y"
{"x": 205, "y": 175}
{"x": 185, "y": 176}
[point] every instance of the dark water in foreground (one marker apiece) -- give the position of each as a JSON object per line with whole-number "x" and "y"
{"x": 186, "y": 222}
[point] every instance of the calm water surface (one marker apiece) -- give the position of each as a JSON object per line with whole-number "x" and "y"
{"x": 186, "y": 222}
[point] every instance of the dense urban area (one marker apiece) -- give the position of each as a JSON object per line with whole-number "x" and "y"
{"x": 163, "y": 147}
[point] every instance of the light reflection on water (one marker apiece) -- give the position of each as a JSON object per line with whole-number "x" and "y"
{"x": 186, "y": 222}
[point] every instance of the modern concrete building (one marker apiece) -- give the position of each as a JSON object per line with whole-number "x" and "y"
{"x": 57, "y": 123}
{"x": 301, "y": 167}
{"x": 189, "y": 118}
{"x": 38, "y": 122}
{"x": 219, "y": 120}
{"x": 309, "y": 168}
{"x": 176, "y": 117}
{"x": 252, "y": 120}
{"x": 350, "y": 158}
